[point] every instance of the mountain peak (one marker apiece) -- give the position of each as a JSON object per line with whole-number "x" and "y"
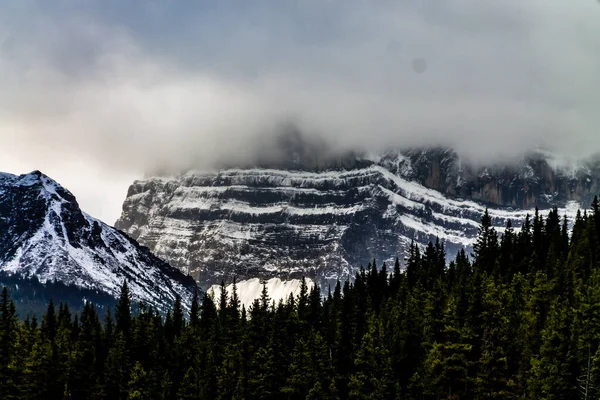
{"x": 45, "y": 235}
{"x": 48, "y": 187}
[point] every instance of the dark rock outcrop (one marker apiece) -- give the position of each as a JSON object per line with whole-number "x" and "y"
{"x": 539, "y": 180}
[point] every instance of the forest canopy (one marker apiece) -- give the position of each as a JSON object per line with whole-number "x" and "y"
{"x": 518, "y": 318}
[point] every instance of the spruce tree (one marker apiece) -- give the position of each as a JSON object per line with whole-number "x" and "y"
{"x": 195, "y": 310}
{"x": 8, "y": 338}
{"x": 138, "y": 384}
{"x": 373, "y": 376}
{"x": 123, "y": 312}
{"x": 189, "y": 388}
{"x": 178, "y": 317}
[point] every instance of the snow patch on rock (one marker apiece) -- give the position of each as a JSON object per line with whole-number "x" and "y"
{"x": 251, "y": 289}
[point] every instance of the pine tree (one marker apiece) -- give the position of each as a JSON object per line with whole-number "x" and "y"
{"x": 263, "y": 383}
{"x": 49, "y": 322}
{"x": 123, "y": 312}
{"x": 396, "y": 279}
{"x": 223, "y": 300}
{"x": 35, "y": 358}
{"x": 314, "y": 314}
{"x": 521, "y": 320}
{"x": 264, "y": 297}
{"x": 117, "y": 369}
{"x": 83, "y": 380}
{"x": 8, "y": 337}
{"x": 189, "y": 388}
{"x": 138, "y": 384}
{"x": 507, "y": 256}
{"x": 373, "y": 377}
{"x": 234, "y": 302}
{"x": 493, "y": 377}
{"x": 166, "y": 387}
{"x": 446, "y": 366}
{"x": 208, "y": 314}
{"x": 486, "y": 247}
{"x": 301, "y": 375}
{"x": 178, "y": 317}
{"x": 551, "y": 372}
{"x": 302, "y": 304}
{"x": 195, "y": 311}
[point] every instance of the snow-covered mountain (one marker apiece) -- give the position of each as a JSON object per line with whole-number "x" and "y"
{"x": 323, "y": 222}
{"x": 46, "y": 237}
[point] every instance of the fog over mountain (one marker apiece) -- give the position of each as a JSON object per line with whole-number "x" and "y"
{"x": 96, "y": 93}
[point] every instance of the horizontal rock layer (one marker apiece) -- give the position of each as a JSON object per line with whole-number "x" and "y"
{"x": 288, "y": 223}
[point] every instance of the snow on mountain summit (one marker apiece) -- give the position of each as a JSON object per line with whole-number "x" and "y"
{"x": 45, "y": 235}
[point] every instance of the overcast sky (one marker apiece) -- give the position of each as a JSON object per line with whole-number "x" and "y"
{"x": 94, "y": 93}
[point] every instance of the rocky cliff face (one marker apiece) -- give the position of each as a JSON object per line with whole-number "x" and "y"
{"x": 45, "y": 236}
{"x": 324, "y": 222}
{"x": 540, "y": 180}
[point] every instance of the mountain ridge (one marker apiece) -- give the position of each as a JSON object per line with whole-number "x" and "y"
{"x": 268, "y": 222}
{"x": 44, "y": 234}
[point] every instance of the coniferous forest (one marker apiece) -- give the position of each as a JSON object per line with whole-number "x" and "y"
{"x": 517, "y": 319}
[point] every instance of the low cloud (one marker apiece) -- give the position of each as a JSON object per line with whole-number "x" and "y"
{"x": 132, "y": 89}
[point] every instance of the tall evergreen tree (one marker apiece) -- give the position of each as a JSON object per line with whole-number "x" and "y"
{"x": 195, "y": 311}
{"x": 123, "y": 312}
{"x": 520, "y": 319}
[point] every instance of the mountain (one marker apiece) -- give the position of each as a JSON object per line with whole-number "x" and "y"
{"x": 542, "y": 179}
{"x": 48, "y": 244}
{"x": 323, "y": 221}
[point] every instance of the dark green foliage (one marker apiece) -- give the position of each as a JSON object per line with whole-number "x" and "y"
{"x": 123, "y": 312}
{"x": 521, "y": 320}
{"x": 31, "y": 297}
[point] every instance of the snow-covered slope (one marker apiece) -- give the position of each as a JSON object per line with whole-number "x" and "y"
{"x": 44, "y": 235}
{"x": 251, "y": 289}
{"x": 324, "y": 223}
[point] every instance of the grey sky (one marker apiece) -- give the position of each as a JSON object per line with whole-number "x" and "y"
{"x": 96, "y": 92}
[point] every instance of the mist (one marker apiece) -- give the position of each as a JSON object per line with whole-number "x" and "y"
{"x": 125, "y": 89}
